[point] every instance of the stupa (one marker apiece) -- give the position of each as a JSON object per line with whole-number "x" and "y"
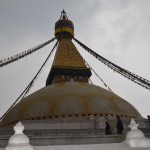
{"x": 69, "y": 109}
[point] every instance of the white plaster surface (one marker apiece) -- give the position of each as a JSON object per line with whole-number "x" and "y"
{"x": 135, "y": 137}
{"x": 114, "y": 146}
{"x": 19, "y": 141}
{"x": 111, "y": 146}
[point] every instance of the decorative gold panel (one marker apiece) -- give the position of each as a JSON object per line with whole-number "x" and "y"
{"x": 68, "y": 56}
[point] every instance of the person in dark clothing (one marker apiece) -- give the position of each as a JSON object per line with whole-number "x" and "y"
{"x": 107, "y": 128}
{"x": 119, "y": 125}
{"x": 148, "y": 119}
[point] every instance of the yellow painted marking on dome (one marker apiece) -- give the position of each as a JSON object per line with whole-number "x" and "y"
{"x": 64, "y": 29}
{"x": 82, "y": 98}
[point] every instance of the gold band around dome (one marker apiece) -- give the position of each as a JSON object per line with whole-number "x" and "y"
{"x": 65, "y": 29}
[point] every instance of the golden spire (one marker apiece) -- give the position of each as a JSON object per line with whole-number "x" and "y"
{"x": 68, "y": 56}
{"x": 68, "y": 63}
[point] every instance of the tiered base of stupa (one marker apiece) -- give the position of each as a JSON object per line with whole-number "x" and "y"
{"x": 70, "y": 131}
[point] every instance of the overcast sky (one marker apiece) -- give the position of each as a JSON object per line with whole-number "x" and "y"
{"x": 119, "y": 30}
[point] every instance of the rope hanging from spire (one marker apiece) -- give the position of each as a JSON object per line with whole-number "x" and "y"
{"x": 96, "y": 74}
{"x": 23, "y": 94}
{"x": 99, "y": 77}
{"x": 131, "y": 76}
{"x": 16, "y": 57}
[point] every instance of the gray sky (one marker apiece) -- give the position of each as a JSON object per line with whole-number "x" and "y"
{"x": 119, "y": 30}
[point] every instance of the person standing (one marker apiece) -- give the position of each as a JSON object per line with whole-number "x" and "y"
{"x": 107, "y": 128}
{"x": 148, "y": 119}
{"x": 119, "y": 125}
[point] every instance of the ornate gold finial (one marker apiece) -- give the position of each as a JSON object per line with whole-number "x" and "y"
{"x": 63, "y": 15}
{"x": 64, "y": 27}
